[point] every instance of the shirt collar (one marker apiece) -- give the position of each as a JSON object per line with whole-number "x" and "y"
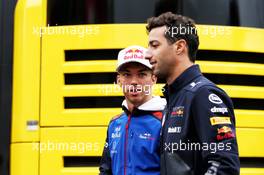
{"x": 154, "y": 104}
{"x": 185, "y": 78}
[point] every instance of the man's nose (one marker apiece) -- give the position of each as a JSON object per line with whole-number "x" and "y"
{"x": 148, "y": 55}
{"x": 134, "y": 80}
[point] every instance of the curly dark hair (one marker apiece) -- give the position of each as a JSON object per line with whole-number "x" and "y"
{"x": 178, "y": 27}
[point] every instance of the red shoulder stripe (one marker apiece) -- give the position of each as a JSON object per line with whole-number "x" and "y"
{"x": 157, "y": 114}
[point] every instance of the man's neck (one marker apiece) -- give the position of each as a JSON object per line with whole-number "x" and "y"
{"x": 132, "y": 106}
{"x": 177, "y": 71}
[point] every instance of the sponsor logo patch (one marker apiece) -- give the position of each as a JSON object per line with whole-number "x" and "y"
{"x": 219, "y": 110}
{"x": 212, "y": 170}
{"x": 113, "y": 149}
{"x": 177, "y": 111}
{"x": 117, "y": 129}
{"x": 146, "y": 136}
{"x": 117, "y": 133}
{"x": 220, "y": 120}
{"x": 193, "y": 84}
{"x": 174, "y": 129}
{"x": 215, "y": 99}
{"x": 224, "y": 133}
{"x": 134, "y": 53}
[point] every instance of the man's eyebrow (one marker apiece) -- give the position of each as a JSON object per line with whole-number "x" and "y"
{"x": 152, "y": 41}
{"x": 124, "y": 71}
{"x": 143, "y": 70}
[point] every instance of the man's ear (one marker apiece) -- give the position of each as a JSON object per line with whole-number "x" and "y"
{"x": 180, "y": 46}
{"x": 154, "y": 78}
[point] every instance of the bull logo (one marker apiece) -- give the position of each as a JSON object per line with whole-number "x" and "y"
{"x": 134, "y": 54}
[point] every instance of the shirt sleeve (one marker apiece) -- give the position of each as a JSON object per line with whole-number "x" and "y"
{"x": 105, "y": 164}
{"x": 214, "y": 123}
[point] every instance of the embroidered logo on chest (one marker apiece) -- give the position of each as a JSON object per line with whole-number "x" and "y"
{"x": 177, "y": 111}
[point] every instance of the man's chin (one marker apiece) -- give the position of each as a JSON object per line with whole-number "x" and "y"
{"x": 135, "y": 99}
{"x": 156, "y": 72}
{"x": 159, "y": 74}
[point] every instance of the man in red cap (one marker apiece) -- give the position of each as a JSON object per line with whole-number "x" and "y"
{"x": 132, "y": 143}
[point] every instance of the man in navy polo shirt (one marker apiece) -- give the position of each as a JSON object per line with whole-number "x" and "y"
{"x": 198, "y": 134}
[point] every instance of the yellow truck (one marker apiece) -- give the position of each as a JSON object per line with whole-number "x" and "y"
{"x": 64, "y": 58}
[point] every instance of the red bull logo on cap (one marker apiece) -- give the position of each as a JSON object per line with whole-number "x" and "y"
{"x": 134, "y": 54}
{"x": 139, "y": 51}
